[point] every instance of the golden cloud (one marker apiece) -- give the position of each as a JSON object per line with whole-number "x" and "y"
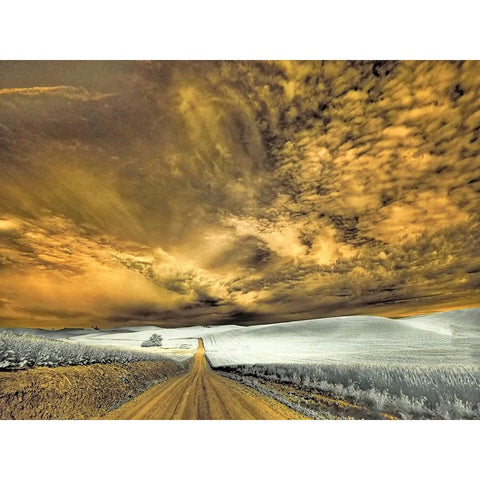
{"x": 204, "y": 191}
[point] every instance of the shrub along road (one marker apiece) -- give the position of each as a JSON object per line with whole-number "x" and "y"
{"x": 202, "y": 394}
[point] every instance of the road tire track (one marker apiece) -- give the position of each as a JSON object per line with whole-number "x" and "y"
{"x": 202, "y": 394}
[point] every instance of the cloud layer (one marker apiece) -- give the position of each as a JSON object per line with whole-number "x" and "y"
{"x": 214, "y": 192}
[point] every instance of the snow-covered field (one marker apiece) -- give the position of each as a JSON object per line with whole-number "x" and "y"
{"x": 24, "y": 348}
{"x": 178, "y": 343}
{"x": 439, "y": 339}
{"x": 422, "y": 366}
{"x": 21, "y": 350}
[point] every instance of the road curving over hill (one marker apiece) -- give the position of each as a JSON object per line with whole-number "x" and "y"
{"x": 202, "y": 394}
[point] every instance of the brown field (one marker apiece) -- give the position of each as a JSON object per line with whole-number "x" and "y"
{"x": 80, "y": 392}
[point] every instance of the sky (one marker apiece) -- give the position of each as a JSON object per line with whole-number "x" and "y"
{"x": 192, "y": 193}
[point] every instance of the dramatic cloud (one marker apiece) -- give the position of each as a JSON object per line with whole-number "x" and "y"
{"x": 213, "y": 192}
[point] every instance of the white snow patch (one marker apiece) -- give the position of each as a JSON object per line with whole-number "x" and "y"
{"x": 177, "y": 342}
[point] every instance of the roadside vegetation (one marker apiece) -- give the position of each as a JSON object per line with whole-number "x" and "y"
{"x": 22, "y": 351}
{"x": 407, "y": 391}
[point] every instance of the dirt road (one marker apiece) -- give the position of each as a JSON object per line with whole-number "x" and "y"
{"x": 202, "y": 394}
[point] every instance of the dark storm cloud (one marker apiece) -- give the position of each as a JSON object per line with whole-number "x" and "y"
{"x": 199, "y": 192}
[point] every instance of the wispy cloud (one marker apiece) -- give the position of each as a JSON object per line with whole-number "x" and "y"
{"x": 65, "y": 91}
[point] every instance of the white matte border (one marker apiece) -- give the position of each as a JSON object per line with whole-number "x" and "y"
{"x": 239, "y": 449}
{"x": 251, "y": 29}
{"x": 239, "y": 30}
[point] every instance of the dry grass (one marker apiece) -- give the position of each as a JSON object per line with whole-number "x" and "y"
{"x": 78, "y": 392}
